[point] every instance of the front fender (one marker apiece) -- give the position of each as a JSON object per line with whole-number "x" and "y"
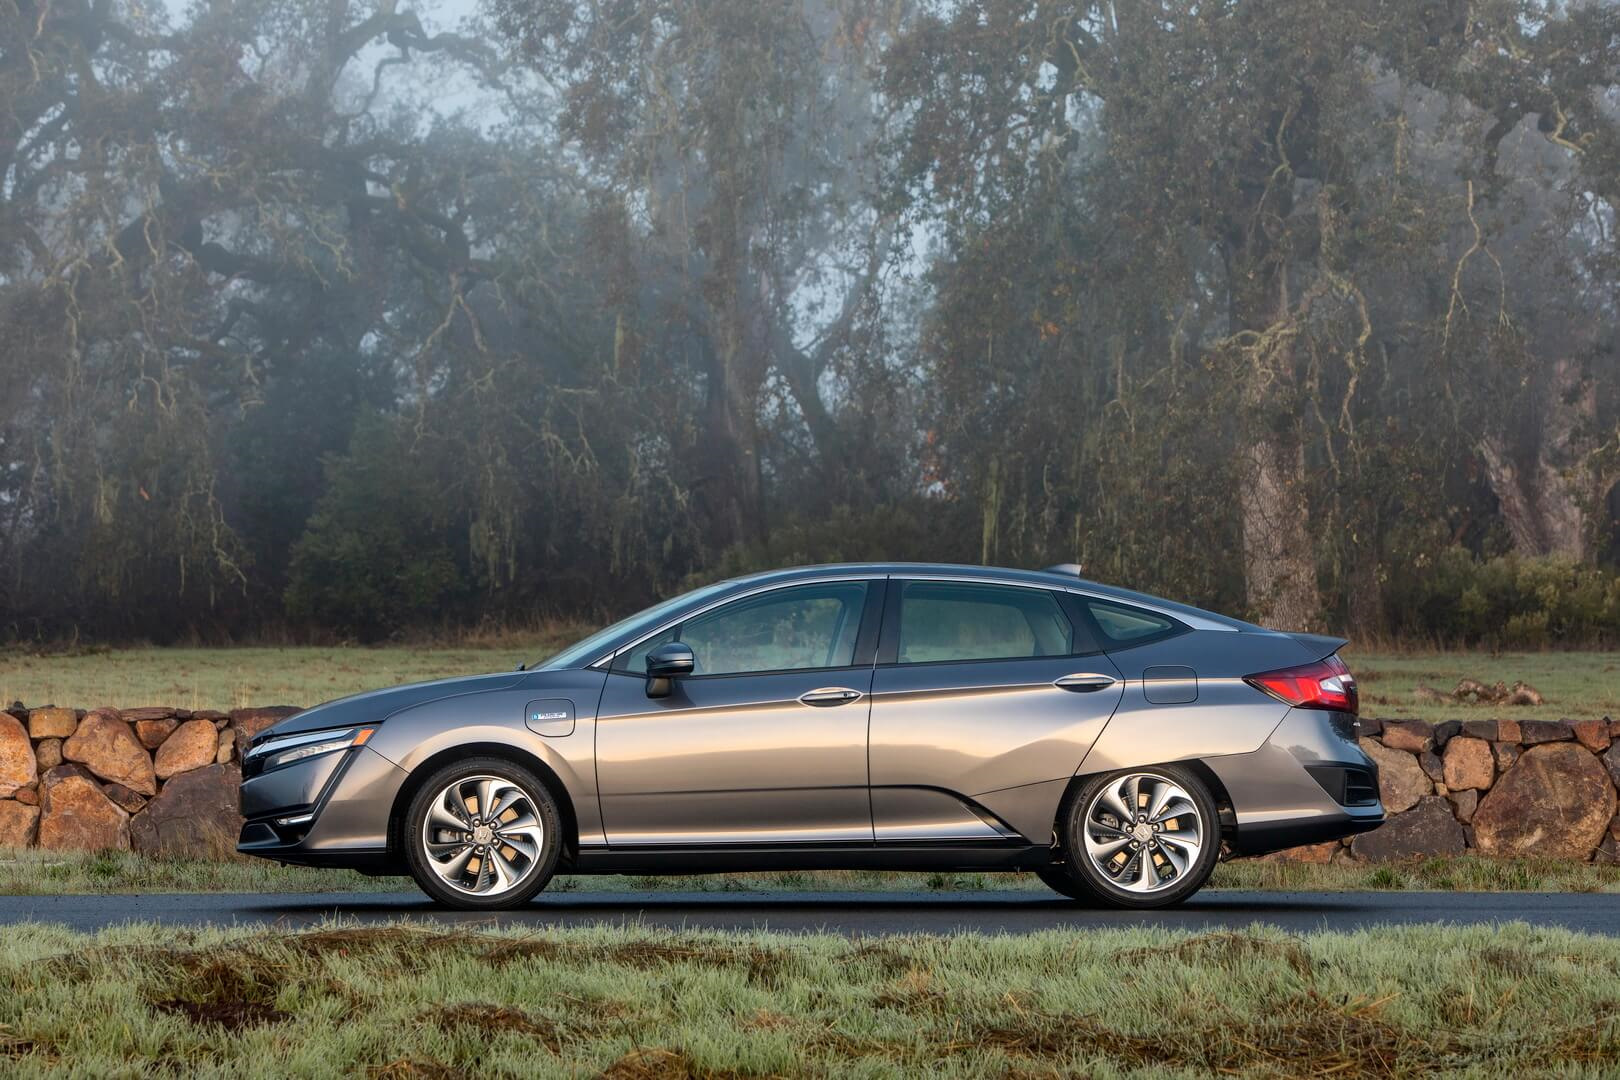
{"x": 415, "y": 736}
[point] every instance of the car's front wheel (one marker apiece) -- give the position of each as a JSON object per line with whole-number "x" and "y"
{"x": 482, "y": 834}
{"x": 1138, "y": 838}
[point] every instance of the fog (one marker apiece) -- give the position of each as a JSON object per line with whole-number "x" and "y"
{"x": 348, "y": 319}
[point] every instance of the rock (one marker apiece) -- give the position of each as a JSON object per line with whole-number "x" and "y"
{"x": 1400, "y": 782}
{"x": 210, "y": 714}
{"x": 1544, "y": 731}
{"x": 1524, "y": 694}
{"x": 1426, "y": 829}
{"x": 74, "y": 813}
{"x": 153, "y": 732}
{"x": 1412, "y": 735}
{"x": 1309, "y": 853}
{"x": 1614, "y": 728}
{"x": 148, "y": 713}
{"x": 1469, "y": 763}
{"x": 195, "y": 814}
{"x": 17, "y": 824}
{"x": 1464, "y": 803}
{"x": 192, "y": 746}
{"x": 1506, "y": 755}
{"x": 1368, "y": 726}
{"x": 249, "y": 722}
{"x": 1444, "y": 730}
{"x": 1431, "y": 765}
{"x": 1481, "y": 729}
{"x": 17, "y": 767}
{"x": 1509, "y": 731}
{"x": 106, "y": 745}
{"x": 48, "y": 754}
{"x": 126, "y": 799}
{"x": 1611, "y": 761}
{"x": 1592, "y": 734}
{"x": 1555, "y": 802}
{"x": 227, "y": 743}
{"x": 52, "y": 723}
{"x": 28, "y": 796}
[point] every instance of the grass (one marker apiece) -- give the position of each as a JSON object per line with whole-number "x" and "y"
{"x": 33, "y": 872}
{"x": 632, "y": 1004}
{"x": 1575, "y": 684}
{"x": 228, "y": 678}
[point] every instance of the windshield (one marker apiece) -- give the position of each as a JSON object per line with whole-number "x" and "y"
{"x": 585, "y": 651}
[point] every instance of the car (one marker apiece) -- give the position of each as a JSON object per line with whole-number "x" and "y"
{"x": 865, "y": 716}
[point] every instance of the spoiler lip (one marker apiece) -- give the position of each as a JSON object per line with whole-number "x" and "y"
{"x": 1321, "y": 646}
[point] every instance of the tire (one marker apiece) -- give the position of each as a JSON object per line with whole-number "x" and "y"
{"x": 503, "y": 863}
{"x": 1162, "y": 864}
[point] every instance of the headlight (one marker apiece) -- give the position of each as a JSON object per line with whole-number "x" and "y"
{"x": 285, "y": 751}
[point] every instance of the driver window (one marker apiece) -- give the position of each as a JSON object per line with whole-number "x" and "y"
{"x": 805, "y": 626}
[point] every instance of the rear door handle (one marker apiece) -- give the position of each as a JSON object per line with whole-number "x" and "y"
{"x": 1085, "y": 681}
{"x": 830, "y": 695}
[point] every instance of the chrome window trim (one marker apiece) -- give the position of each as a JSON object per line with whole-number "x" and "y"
{"x": 1191, "y": 621}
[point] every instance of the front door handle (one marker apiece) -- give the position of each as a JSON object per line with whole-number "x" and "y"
{"x": 1085, "y": 682}
{"x": 830, "y": 695}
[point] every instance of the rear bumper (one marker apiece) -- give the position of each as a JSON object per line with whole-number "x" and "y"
{"x": 1278, "y": 803}
{"x": 332, "y": 810}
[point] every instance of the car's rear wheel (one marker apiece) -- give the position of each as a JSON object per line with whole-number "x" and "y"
{"x": 482, "y": 834}
{"x": 1138, "y": 838}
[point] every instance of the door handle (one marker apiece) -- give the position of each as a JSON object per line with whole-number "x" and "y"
{"x": 1085, "y": 682}
{"x": 830, "y": 695}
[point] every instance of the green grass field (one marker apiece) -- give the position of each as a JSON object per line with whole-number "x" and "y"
{"x": 32, "y": 872}
{"x": 1575, "y": 684}
{"x": 624, "y": 1003}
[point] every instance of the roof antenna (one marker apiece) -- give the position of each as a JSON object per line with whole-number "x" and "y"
{"x": 1073, "y": 568}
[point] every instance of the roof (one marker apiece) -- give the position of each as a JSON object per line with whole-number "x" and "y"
{"x": 1057, "y": 578}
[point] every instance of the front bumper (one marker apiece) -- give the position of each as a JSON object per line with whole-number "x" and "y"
{"x": 1284, "y": 794}
{"x": 331, "y": 810}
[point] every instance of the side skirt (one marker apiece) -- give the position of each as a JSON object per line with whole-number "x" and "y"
{"x": 741, "y": 858}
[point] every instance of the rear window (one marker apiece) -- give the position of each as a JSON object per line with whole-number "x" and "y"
{"x": 1124, "y": 625}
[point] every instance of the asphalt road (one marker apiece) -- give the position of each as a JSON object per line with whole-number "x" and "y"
{"x": 855, "y": 914}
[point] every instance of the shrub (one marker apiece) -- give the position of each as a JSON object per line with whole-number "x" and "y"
{"x": 375, "y": 555}
{"x": 1508, "y": 601}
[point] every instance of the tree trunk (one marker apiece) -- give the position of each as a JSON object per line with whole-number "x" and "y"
{"x": 1279, "y": 554}
{"x": 1279, "y": 557}
{"x": 1547, "y": 507}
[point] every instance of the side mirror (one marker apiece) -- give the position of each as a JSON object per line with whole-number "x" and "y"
{"x": 669, "y": 661}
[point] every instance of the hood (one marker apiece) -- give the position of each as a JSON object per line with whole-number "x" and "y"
{"x": 375, "y": 706}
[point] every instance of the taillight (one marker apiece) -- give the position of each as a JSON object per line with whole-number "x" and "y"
{"x": 1326, "y": 684}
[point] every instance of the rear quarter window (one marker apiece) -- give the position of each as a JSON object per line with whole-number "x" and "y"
{"x": 1122, "y": 625}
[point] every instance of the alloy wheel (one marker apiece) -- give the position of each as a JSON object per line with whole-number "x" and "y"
{"x": 483, "y": 835}
{"x": 1143, "y": 832}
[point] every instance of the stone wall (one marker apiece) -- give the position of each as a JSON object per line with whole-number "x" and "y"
{"x": 1544, "y": 788}
{"x": 163, "y": 780}
{"x": 156, "y": 780}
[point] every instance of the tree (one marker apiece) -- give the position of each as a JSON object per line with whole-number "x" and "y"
{"x": 730, "y": 134}
{"x": 1251, "y": 173}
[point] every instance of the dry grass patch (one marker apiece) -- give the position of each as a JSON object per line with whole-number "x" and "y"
{"x": 405, "y": 1000}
